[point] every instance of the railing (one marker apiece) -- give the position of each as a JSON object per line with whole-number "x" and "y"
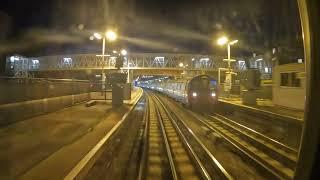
{"x": 132, "y": 61}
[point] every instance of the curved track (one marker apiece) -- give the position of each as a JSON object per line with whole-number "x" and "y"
{"x": 268, "y": 155}
{"x": 169, "y": 151}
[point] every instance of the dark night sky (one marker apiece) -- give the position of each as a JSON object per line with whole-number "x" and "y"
{"x": 38, "y": 27}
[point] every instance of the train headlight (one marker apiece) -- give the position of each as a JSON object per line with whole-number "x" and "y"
{"x": 213, "y": 94}
{"x": 194, "y": 94}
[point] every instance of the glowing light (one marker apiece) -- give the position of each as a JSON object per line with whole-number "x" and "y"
{"x": 159, "y": 58}
{"x": 259, "y": 59}
{"x": 233, "y": 42}
{"x": 97, "y": 35}
{"x": 91, "y": 38}
{"x": 181, "y": 64}
{"x": 114, "y": 51}
{"x": 222, "y": 41}
{"x": 35, "y": 61}
{"x": 12, "y": 59}
{"x": 67, "y": 60}
{"x": 111, "y": 35}
{"x": 194, "y": 94}
{"x": 266, "y": 70}
{"x": 124, "y": 52}
{"x": 204, "y": 59}
{"x": 213, "y": 94}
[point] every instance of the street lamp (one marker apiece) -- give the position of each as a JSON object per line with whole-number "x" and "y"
{"x": 97, "y": 35}
{"x": 123, "y": 52}
{"x": 110, "y": 36}
{"x": 222, "y": 41}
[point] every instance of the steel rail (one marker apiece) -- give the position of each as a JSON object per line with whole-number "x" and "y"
{"x": 216, "y": 163}
{"x": 275, "y": 169}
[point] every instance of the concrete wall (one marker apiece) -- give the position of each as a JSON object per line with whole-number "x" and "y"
{"x": 291, "y": 97}
{"x": 13, "y": 112}
{"x": 14, "y": 90}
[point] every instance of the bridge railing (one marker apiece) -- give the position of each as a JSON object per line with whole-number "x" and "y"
{"x": 133, "y": 60}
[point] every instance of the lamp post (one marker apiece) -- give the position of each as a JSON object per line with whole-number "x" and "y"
{"x": 124, "y": 53}
{"x": 110, "y": 36}
{"x": 228, "y": 82}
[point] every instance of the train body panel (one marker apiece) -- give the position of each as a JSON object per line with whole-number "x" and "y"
{"x": 199, "y": 91}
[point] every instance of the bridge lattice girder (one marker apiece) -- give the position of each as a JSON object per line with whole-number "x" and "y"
{"x": 135, "y": 60}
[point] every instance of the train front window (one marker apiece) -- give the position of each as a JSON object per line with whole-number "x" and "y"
{"x": 213, "y": 84}
{"x": 201, "y": 84}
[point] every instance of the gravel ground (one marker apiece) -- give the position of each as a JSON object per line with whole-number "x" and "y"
{"x": 121, "y": 156}
{"x": 277, "y": 132}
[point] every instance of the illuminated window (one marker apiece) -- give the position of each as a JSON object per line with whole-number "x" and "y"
{"x": 67, "y": 60}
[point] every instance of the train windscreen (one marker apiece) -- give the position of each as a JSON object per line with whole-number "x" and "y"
{"x": 203, "y": 84}
{"x": 213, "y": 84}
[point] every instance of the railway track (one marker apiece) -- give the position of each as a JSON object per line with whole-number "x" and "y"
{"x": 276, "y": 158}
{"x": 167, "y": 151}
{"x": 275, "y": 148}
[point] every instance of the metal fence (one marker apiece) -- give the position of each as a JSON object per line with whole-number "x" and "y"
{"x": 24, "y": 89}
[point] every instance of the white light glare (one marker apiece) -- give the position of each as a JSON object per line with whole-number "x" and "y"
{"x": 213, "y": 94}
{"x": 12, "y": 59}
{"x": 124, "y": 52}
{"x": 159, "y": 58}
{"x": 111, "y": 35}
{"x": 204, "y": 59}
{"x": 194, "y": 94}
{"x": 222, "y": 41}
{"x": 97, "y": 35}
{"x": 67, "y": 60}
{"x": 233, "y": 42}
{"x": 35, "y": 61}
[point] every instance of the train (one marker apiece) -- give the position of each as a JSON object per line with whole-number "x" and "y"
{"x": 289, "y": 86}
{"x": 198, "y": 92}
